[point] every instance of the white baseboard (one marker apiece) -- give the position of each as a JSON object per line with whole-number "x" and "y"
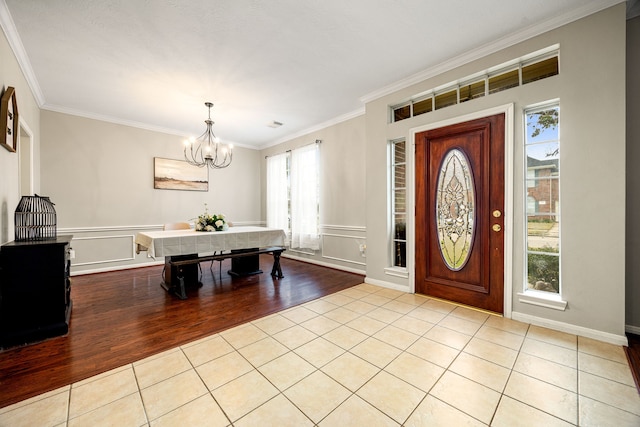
{"x": 149, "y": 264}
{"x": 324, "y": 264}
{"x": 632, "y": 329}
{"x": 571, "y": 329}
{"x": 385, "y": 284}
{"x": 116, "y": 268}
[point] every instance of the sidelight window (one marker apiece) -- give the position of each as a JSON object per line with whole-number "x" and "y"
{"x": 398, "y": 168}
{"x": 542, "y": 189}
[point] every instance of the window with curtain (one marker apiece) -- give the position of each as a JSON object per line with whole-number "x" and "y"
{"x": 293, "y": 196}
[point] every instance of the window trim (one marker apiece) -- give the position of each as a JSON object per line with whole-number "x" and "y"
{"x": 516, "y": 64}
{"x": 531, "y": 296}
{"x": 393, "y": 269}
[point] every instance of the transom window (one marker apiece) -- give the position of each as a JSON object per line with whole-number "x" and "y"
{"x": 516, "y": 73}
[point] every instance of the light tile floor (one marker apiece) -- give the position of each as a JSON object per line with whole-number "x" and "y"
{"x": 366, "y": 356}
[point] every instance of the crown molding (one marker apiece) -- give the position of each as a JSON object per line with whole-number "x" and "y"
{"x": 526, "y": 33}
{"x": 9, "y": 29}
{"x": 130, "y": 123}
{"x": 591, "y": 7}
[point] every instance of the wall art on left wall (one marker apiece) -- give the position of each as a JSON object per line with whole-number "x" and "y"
{"x": 9, "y": 120}
{"x": 170, "y": 174}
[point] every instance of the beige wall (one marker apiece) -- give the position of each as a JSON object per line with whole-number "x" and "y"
{"x": 11, "y": 75}
{"x": 633, "y": 175}
{"x": 100, "y": 176}
{"x": 591, "y": 90}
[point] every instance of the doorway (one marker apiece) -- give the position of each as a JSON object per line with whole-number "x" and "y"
{"x": 460, "y": 211}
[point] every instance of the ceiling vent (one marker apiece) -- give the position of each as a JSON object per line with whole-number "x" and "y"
{"x": 274, "y": 124}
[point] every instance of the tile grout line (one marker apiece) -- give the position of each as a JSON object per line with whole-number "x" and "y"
{"x": 402, "y": 351}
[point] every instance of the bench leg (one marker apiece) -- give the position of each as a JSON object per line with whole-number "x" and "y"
{"x": 180, "y": 290}
{"x": 276, "y": 271}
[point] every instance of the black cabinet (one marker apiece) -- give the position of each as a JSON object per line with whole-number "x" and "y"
{"x": 35, "y": 290}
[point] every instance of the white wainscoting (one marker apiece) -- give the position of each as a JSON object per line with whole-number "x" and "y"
{"x": 340, "y": 249}
{"x": 103, "y": 249}
{"x": 343, "y": 244}
{"x": 99, "y": 249}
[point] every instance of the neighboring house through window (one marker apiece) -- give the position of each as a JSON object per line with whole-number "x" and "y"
{"x": 398, "y": 197}
{"x": 542, "y": 189}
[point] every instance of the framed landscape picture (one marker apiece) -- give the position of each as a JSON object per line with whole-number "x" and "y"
{"x": 170, "y": 174}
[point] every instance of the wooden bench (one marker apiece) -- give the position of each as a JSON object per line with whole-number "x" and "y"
{"x": 179, "y": 290}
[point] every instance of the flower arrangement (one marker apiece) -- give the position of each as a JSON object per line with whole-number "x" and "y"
{"x": 207, "y": 222}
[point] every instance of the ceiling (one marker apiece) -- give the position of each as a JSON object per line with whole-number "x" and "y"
{"x": 304, "y": 63}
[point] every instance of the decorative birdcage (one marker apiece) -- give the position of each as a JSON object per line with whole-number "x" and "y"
{"x": 35, "y": 219}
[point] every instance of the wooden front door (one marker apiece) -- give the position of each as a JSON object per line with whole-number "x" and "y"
{"x": 460, "y": 213}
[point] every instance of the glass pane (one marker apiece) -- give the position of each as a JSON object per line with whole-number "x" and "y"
{"x": 471, "y": 91}
{"x": 504, "y": 81}
{"x": 399, "y": 201}
{"x": 399, "y": 152}
{"x": 423, "y": 106}
{"x": 543, "y": 271}
{"x": 545, "y": 192}
{"x": 543, "y": 232}
{"x": 399, "y": 176}
{"x": 455, "y": 209}
{"x": 400, "y": 254}
{"x": 446, "y": 99}
{"x": 543, "y": 156}
{"x": 540, "y": 70}
{"x": 401, "y": 113}
{"x": 542, "y": 125}
{"x": 400, "y": 227}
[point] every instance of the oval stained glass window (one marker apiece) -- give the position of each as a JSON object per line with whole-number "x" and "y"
{"x": 455, "y": 209}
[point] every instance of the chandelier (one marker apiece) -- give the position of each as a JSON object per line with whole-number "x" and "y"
{"x": 206, "y": 150}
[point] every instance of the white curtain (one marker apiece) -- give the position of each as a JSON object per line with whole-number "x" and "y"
{"x": 305, "y": 197}
{"x": 277, "y": 192}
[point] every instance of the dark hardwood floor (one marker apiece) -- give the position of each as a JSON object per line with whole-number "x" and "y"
{"x": 123, "y": 316}
{"x": 633, "y": 357}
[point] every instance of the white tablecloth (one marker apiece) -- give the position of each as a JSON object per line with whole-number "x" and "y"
{"x": 183, "y": 242}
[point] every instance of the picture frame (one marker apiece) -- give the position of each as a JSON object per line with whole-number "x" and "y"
{"x": 171, "y": 174}
{"x": 9, "y": 120}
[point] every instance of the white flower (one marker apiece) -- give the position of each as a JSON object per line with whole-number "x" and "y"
{"x": 209, "y": 228}
{"x": 219, "y": 223}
